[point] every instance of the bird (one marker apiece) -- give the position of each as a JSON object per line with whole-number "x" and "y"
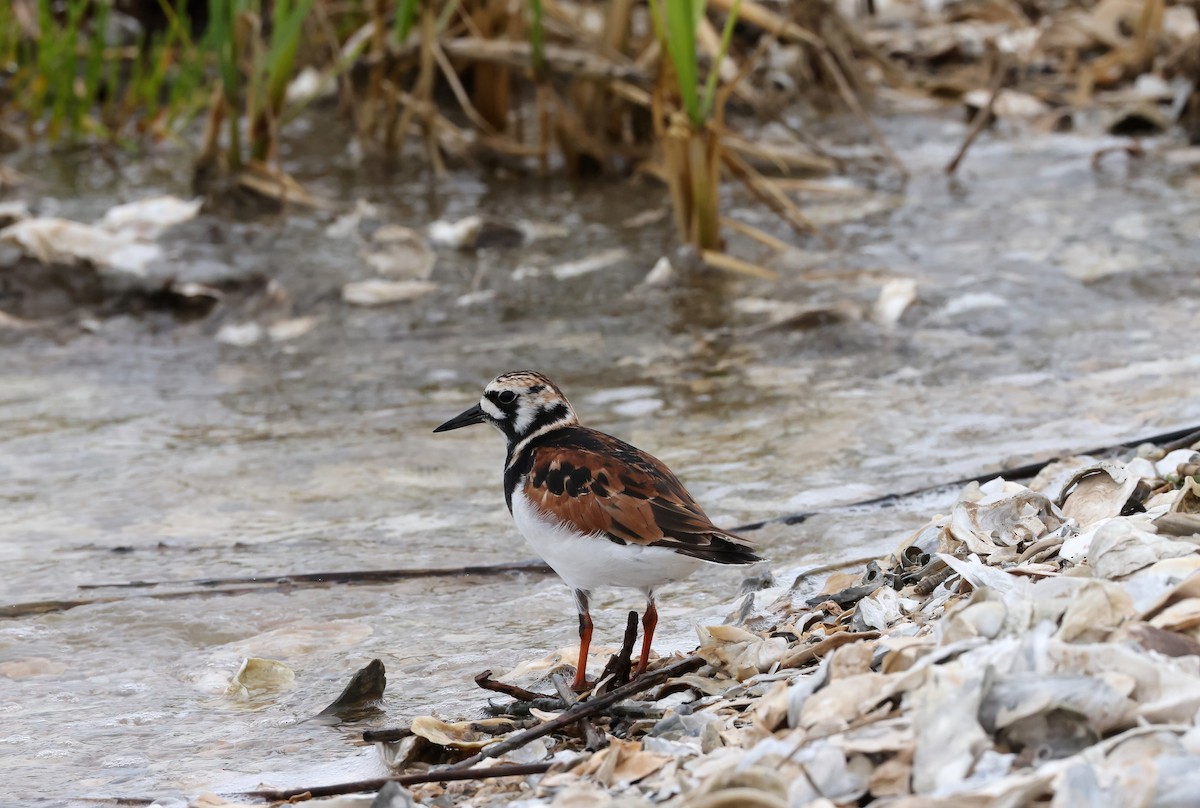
{"x": 599, "y": 511}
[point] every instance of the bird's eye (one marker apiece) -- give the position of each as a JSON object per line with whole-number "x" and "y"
{"x": 507, "y": 397}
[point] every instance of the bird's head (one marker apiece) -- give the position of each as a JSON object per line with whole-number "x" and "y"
{"x": 519, "y": 404}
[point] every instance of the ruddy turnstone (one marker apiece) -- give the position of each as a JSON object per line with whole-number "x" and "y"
{"x": 599, "y": 511}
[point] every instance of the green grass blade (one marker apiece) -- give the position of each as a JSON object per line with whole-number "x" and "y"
{"x": 444, "y": 16}
{"x": 285, "y": 41}
{"x": 710, "y": 86}
{"x": 221, "y": 41}
{"x": 681, "y": 21}
{"x": 537, "y": 36}
{"x": 406, "y": 13}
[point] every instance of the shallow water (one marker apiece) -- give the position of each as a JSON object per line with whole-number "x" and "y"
{"x": 145, "y": 450}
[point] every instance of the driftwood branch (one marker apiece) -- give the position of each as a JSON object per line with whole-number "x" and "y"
{"x": 432, "y": 776}
{"x": 345, "y": 577}
{"x": 582, "y": 710}
{"x": 390, "y": 735}
{"x": 237, "y": 586}
{"x": 1175, "y": 439}
{"x": 486, "y": 681}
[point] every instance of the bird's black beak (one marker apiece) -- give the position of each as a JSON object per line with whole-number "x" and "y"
{"x": 472, "y": 416}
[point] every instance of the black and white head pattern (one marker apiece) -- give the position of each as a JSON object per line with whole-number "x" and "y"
{"x": 523, "y": 404}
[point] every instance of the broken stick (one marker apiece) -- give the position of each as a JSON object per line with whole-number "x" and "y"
{"x": 582, "y": 710}
{"x": 433, "y": 776}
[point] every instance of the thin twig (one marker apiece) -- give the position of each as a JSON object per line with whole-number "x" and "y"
{"x": 774, "y": 198}
{"x": 242, "y": 586}
{"x": 851, "y": 100}
{"x": 486, "y": 681}
{"x": 389, "y": 735}
{"x": 582, "y": 710}
{"x": 1011, "y": 473}
{"x": 460, "y": 93}
{"x": 592, "y": 739}
{"x": 620, "y": 664}
{"x": 345, "y": 577}
{"x": 984, "y": 116}
{"x": 432, "y": 776}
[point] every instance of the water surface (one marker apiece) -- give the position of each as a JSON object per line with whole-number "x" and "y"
{"x": 143, "y": 449}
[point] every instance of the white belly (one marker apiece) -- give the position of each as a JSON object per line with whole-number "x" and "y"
{"x": 586, "y": 562}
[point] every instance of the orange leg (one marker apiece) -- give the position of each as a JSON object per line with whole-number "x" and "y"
{"x": 649, "y": 621}
{"x": 585, "y": 641}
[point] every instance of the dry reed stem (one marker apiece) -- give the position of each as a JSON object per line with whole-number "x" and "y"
{"x": 460, "y": 93}
{"x": 542, "y": 103}
{"x": 346, "y": 95}
{"x": 856, "y": 107}
{"x": 492, "y": 80}
{"x": 448, "y": 131}
{"x": 769, "y": 21}
{"x": 500, "y": 144}
{"x": 719, "y": 260}
{"x": 704, "y": 170}
{"x": 573, "y": 137}
{"x": 786, "y": 160}
{"x": 774, "y": 198}
{"x": 210, "y": 149}
{"x": 776, "y": 25}
{"x": 559, "y": 59}
{"x": 984, "y": 116}
{"x": 674, "y": 145}
{"x": 274, "y": 184}
{"x": 648, "y": 58}
{"x": 761, "y": 236}
{"x": 728, "y": 69}
{"x": 628, "y": 92}
{"x": 370, "y": 118}
{"x": 397, "y": 129}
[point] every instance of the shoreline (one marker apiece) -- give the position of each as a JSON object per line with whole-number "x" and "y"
{"x": 1037, "y": 642}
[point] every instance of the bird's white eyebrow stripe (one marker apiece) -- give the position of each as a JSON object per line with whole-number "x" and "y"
{"x": 491, "y": 409}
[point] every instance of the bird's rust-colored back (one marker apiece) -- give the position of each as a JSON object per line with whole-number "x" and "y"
{"x": 603, "y": 485}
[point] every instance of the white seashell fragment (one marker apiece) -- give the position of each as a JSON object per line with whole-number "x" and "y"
{"x": 1120, "y": 547}
{"x": 662, "y": 274}
{"x": 257, "y": 677}
{"x": 291, "y": 329}
{"x": 592, "y": 263}
{"x": 1097, "y": 492}
{"x": 240, "y": 335}
{"x": 894, "y": 299}
{"x": 146, "y": 219}
{"x": 378, "y": 292}
{"x": 459, "y": 235}
{"x": 61, "y": 241}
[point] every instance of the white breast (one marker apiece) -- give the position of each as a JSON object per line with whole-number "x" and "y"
{"x": 588, "y": 561}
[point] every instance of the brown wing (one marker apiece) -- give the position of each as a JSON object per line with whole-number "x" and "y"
{"x": 603, "y": 485}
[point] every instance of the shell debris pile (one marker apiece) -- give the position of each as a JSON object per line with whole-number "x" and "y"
{"x": 1038, "y": 644}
